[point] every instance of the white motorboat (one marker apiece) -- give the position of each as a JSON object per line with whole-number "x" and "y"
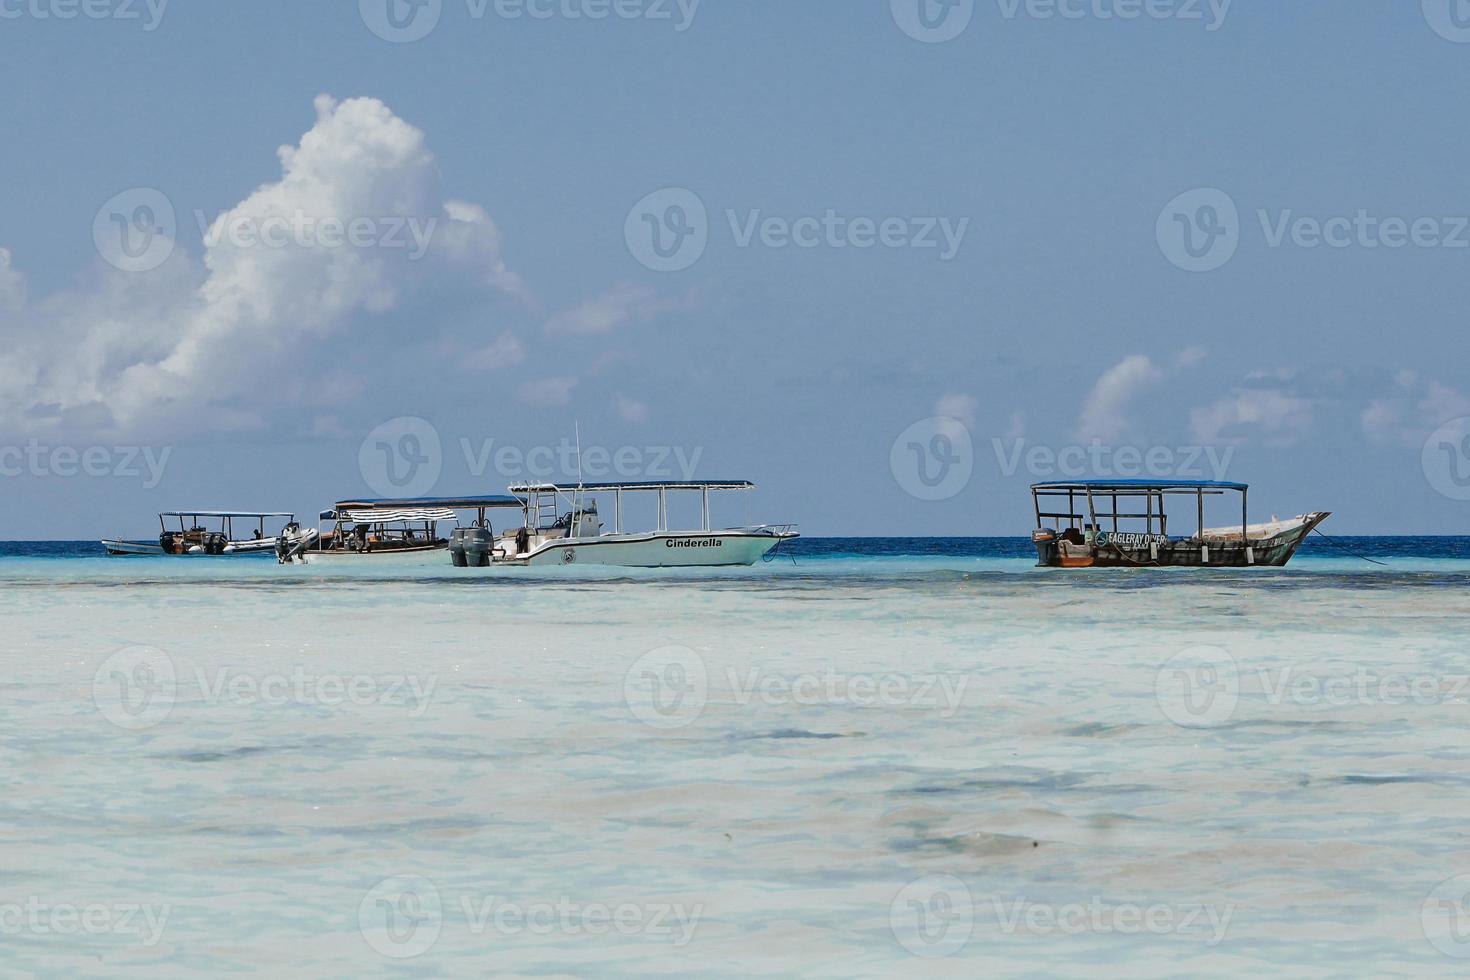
{"x": 578, "y": 537}
{"x": 207, "y": 532}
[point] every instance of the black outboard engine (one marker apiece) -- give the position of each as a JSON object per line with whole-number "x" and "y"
{"x": 470, "y": 547}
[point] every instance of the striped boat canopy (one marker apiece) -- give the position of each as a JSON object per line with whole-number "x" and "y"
{"x": 386, "y": 516}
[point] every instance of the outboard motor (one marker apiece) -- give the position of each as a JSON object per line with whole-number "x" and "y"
{"x": 478, "y": 543}
{"x": 457, "y": 547}
{"x": 1046, "y": 542}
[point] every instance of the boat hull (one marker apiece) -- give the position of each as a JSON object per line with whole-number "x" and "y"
{"x": 400, "y": 556}
{"x": 1273, "y": 550}
{"x": 699, "y": 549}
{"x": 253, "y": 546}
{"x": 131, "y": 548}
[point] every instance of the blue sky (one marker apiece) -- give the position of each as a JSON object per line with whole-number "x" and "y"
{"x": 902, "y": 277}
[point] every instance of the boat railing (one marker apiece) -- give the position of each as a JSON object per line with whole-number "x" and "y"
{"x": 778, "y": 529}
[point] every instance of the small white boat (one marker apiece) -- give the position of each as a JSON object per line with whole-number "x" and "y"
{"x": 577, "y": 537}
{"x": 206, "y": 532}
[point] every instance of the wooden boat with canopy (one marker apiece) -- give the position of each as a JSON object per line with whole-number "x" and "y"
{"x": 1124, "y": 523}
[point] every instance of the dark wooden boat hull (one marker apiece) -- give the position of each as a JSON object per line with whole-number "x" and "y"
{"x": 1268, "y": 552}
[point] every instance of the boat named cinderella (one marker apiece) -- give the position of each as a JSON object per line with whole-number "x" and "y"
{"x": 548, "y": 536}
{"x": 1123, "y": 523}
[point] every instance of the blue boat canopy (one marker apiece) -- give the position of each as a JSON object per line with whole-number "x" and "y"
{"x": 226, "y": 513}
{"x": 1082, "y": 486}
{"x": 422, "y": 503}
{"x": 638, "y": 485}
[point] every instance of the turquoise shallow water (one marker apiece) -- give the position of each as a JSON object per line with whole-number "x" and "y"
{"x": 860, "y": 763}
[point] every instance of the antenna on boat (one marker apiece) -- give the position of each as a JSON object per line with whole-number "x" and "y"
{"x": 577, "y": 427}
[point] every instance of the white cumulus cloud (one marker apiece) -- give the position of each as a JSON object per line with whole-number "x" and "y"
{"x": 1105, "y": 413}
{"x": 222, "y": 343}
